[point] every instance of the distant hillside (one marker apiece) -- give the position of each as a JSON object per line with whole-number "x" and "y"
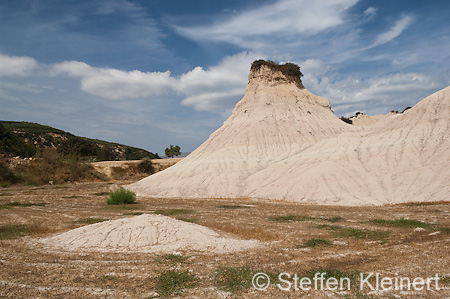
{"x": 29, "y": 139}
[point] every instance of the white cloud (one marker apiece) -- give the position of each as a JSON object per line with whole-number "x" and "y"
{"x": 371, "y": 11}
{"x": 219, "y": 87}
{"x": 282, "y": 17}
{"x": 116, "y": 84}
{"x": 216, "y": 89}
{"x": 373, "y": 95}
{"x": 16, "y": 66}
{"x": 402, "y": 24}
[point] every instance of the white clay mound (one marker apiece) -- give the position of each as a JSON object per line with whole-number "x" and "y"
{"x": 146, "y": 233}
{"x": 284, "y": 143}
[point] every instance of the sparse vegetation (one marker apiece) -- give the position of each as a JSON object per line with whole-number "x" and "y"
{"x": 254, "y": 233}
{"x": 191, "y": 220}
{"x": 20, "y": 204}
{"x": 146, "y": 166}
{"x": 232, "y": 207}
{"x": 288, "y": 69}
{"x": 291, "y": 218}
{"x": 12, "y": 231}
{"x": 90, "y": 220}
{"x": 232, "y": 279}
{"x": 356, "y": 233}
{"x": 101, "y": 193}
{"x": 403, "y": 223}
{"x": 171, "y": 212}
{"x": 172, "y": 258}
{"x": 173, "y": 282}
{"x": 121, "y": 196}
{"x": 334, "y": 219}
{"x": 316, "y": 242}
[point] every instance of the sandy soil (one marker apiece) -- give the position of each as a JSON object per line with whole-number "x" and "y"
{"x": 28, "y": 270}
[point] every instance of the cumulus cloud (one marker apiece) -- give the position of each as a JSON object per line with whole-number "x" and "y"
{"x": 402, "y": 24}
{"x": 16, "y": 66}
{"x": 219, "y": 87}
{"x": 116, "y": 84}
{"x": 283, "y": 16}
{"x": 216, "y": 89}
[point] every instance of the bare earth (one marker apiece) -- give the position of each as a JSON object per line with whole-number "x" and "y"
{"x": 30, "y": 270}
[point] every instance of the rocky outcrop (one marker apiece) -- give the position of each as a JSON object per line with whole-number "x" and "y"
{"x": 283, "y": 142}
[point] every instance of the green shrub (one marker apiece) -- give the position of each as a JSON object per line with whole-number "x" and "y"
{"x": 121, "y": 196}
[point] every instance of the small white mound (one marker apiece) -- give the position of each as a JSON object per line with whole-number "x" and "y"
{"x": 146, "y": 233}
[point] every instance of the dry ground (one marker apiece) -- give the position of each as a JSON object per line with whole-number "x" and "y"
{"x": 31, "y": 271}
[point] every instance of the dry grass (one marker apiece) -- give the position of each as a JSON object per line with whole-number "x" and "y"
{"x": 255, "y": 233}
{"x": 30, "y": 270}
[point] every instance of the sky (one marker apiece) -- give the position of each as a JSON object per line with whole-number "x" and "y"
{"x": 154, "y": 73}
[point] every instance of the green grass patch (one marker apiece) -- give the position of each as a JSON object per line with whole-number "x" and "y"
{"x": 90, "y": 220}
{"x": 291, "y": 218}
{"x": 191, "y": 220}
{"x": 133, "y": 214}
{"x": 12, "y": 231}
{"x": 6, "y": 194}
{"x": 173, "y": 282}
{"x": 402, "y": 223}
{"x": 316, "y": 242}
{"x": 5, "y": 185}
{"x": 172, "y": 258}
{"x": 356, "y": 233}
{"x": 171, "y": 212}
{"x": 101, "y": 193}
{"x": 238, "y": 279}
{"x": 121, "y": 196}
{"x": 232, "y": 207}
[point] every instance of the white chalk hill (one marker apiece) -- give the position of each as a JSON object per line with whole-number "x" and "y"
{"x": 283, "y": 142}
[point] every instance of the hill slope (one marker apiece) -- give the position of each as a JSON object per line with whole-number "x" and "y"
{"x": 282, "y": 142}
{"x": 26, "y": 139}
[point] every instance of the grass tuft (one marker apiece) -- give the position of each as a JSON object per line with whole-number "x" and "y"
{"x": 334, "y": 219}
{"x": 316, "y": 242}
{"x": 121, "y": 196}
{"x": 171, "y": 212}
{"x": 291, "y": 218}
{"x": 173, "y": 282}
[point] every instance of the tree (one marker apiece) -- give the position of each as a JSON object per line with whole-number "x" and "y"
{"x": 172, "y": 151}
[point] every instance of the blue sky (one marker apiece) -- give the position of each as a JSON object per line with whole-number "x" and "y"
{"x": 154, "y": 73}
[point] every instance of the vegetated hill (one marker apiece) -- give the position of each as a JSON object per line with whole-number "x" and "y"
{"x": 29, "y": 139}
